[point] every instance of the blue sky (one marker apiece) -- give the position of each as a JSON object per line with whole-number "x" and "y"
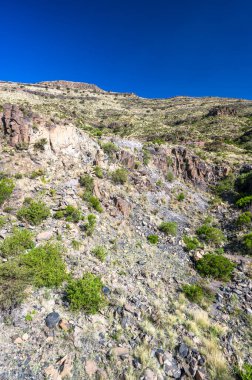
{"x": 157, "y": 48}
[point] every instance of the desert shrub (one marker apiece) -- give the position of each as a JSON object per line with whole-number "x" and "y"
{"x": 6, "y": 188}
{"x": 244, "y": 219}
{"x": 87, "y": 182}
{"x": 99, "y": 252}
{"x": 76, "y": 244}
{"x": 45, "y": 265}
{"x": 244, "y": 202}
{"x": 245, "y": 373}
{"x": 243, "y": 183}
{"x": 95, "y": 203}
{"x": 18, "y": 176}
{"x": 152, "y": 239}
{"x": 210, "y": 234}
{"x": 191, "y": 243}
{"x": 169, "y": 228}
{"x": 194, "y": 292}
{"x": 98, "y": 172}
{"x": 3, "y": 221}
{"x": 109, "y": 148}
{"x": 181, "y": 197}
{"x": 146, "y": 156}
{"x": 40, "y": 144}
{"x": 170, "y": 176}
{"x": 37, "y": 173}
{"x": 18, "y": 242}
{"x": 70, "y": 213}
{"x": 89, "y": 226}
{"x": 215, "y": 266}
{"x": 225, "y": 188}
{"x": 119, "y": 176}
{"x": 33, "y": 212}
{"x": 13, "y": 282}
{"x": 247, "y": 243}
{"x": 86, "y": 294}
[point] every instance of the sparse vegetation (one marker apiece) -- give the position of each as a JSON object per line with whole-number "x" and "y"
{"x": 86, "y": 294}
{"x": 180, "y": 197}
{"x": 18, "y": 242}
{"x": 89, "y": 226}
{"x": 99, "y": 252}
{"x": 247, "y": 242}
{"x": 70, "y": 213}
{"x": 40, "y": 144}
{"x": 170, "y": 176}
{"x": 119, "y": 176}
{"x": 210, "y": 234}
{"x": 191, "y": 243}
{"x": 152, "y": 239}
{"x": 109, "y": 148}
{"x": 98, "y": 172}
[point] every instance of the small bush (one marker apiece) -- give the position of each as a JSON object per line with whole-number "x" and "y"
{"x": 87, "y": 182}
{"x": 146, "y": 156}
{"x": 76, "y": 244}
{"x": 170, "y": 177}
{"x": 245, "y": 373}
{"x": 210, "y": 234}
{"x": 99, "y": 252}
{"x": 191, "y": 243}
{"x": 244, "y": 202}
{"x": 119, "y": 176}
{"x": 98, "y": 172}
{"x": 194, "y": 293}
{"x": 6, "y": 189}
{"x": 86, "y": 294}
{"x": 152, "y": 239}
{"x": 244, "y": 219}
{"x": 90, "y": 225}
{"x": 169, "y": 228}
{"x": 37, "y": 173}
{"x": 109, "y": 148}
{"x": 18, "y": 242}
{"x": 247, "y": 243}
{"x": 216, "y": 266}
{"x": 225, "y": 188}
{"x": 3, "y": 221}
{"x": 243, "y": 183}
{"x": 70, "y": 213}
{"x": 40, "y": 144}
{"x": 44, "y": 265}
{"x": 95, "y": 203}
{"x": 33, "y": 212}
{"x": 181, "y": 197}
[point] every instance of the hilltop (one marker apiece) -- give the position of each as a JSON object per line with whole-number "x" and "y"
{"x": 125, "y": 229}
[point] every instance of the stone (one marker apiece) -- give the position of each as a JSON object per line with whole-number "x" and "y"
{"x": 52, "y": 320}
{"x": 18, "y": 340}
{"x": 16, "y": 128}
{"x": 64, "y": 325}
{"x": 106, "y": 290}
{"x": 200, "y": 375}
{"x": 183, "y": 350}
{"x": 149, "y": 374}
{"x": 45, "y": 235}
{"x": 120, "y": 351}
{"x": 122, "y": 205}
{"x": 91, "y": 367}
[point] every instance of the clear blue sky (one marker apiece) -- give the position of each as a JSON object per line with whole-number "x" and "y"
{"x": 155, "y": 48}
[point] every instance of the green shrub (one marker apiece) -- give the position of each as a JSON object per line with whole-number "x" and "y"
{"x": 225, "y": 187}
{"x": 95, "y": 203}
{"x": 109, "y": 148}
{"x": 87, "y": 182}
{"x": 181, "y": 197}
{"x": 90, "y": 225}
{"x": 86, "y": 294}
{"x": 170, "y": 177}
{"x": 247, "y": 243}
{"x": 40, "y": 144}
{"x": 243, "y": 183}
{"x": 76, "y": 244}
{"x": 44, "y": 265}
{"x": 191, "y": 243}
{"x": 146, "y": 156}
{"x": 98, "y": 172}
{"x": 210, "y": 234}
{"x": 18, "y": 242}
{"x": 99, "y": 252}
{"x": 245, "y": 373}
{"x": 3, "y": 221}
{"x": 193, "y": 292}
{"x": 70, "y": 213}
{"x": 244, "y": 219}
{"x": 119, "y": 176}
{"x": 169, "y": 228}
{"x": 244, "y": 202}
{"x": 33, "y": 212}
{"x": 18, "y": 176}
{"x": 152, "y": 239}
{"x": 6, "y": 189}
{"x": 37, "y": 173}
{"x": 216, "y": 266}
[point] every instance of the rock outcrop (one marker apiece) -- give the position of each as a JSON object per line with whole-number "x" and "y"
{"x": 15, "y": 126}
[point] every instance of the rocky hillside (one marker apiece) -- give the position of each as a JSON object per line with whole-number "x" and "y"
{"x": 126, "y": 238}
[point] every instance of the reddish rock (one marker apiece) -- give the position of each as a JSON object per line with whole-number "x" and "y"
{"x": 15, "y": 127}
{"x": 127, "y": 159}
{"x": 123, "y": 206}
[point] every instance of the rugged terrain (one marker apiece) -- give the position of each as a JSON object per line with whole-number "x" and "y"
{"x": 56, "y": 139}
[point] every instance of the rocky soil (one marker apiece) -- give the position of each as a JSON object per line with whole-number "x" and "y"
{"x": 149, "y": 330}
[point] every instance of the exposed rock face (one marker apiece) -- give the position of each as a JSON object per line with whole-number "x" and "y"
{"x": 127, "y": 159}
{"x": 123, "y": 206}
{"x": 15, "y": 126}
{"x": 222, "y": 111}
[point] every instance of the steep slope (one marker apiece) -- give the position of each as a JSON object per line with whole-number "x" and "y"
{"x": 132, "y": 164}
